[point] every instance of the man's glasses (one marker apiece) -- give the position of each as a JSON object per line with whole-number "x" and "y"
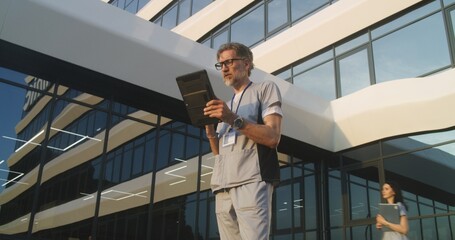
{"x": 227, "y": 63}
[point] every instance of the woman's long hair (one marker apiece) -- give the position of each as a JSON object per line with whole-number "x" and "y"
{"x": 398, "y": 194}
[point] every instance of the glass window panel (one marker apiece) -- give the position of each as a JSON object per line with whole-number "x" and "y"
{"x": 411, "y": 203}
{"x": 314, "y": 61}
{"x": 184, "y": 10}
{"x": 188, "y": 225}
{"x": 337, "y": 233}
{"x": 414, "y": 229}
{"x": 448, "y": 2}
{"x": 358, "y": 197}
{"x": 117, "y": 168}
{"x": 203, "y": 222}
{"x": 72, "y": 169}
{"x": 440, "y": 208}
{"x": 138, "y": 159}
{"x": 299, "y": 205}
{"x": 285, "y": 173}
{"x": 19, "y": 155}
{"x": 297, "y": 169}
{"x": 178, "y": 147}
{"x": 285, "y": 75}
{"x": 199, "y": 5}
{"x": 439, "y": 186}
{"x": 374, "y": 195}
{"x": 220, "y": 38}
{"x": 142, "y": 3}
{"x": 443, "y": 230}
{"x": 127, "y": 144}
{"x": 149, "y": 154}
{"x": 207, "y": 42}
{"x": 284, "y": 206}
{"x": 126, "y": 165}
{"x": 170, "y": 18}
{"x": 30, "y": 81}
{"x": 362, "y": 39}
{"x": 192, "y": 130}
{"x": 361, "y": 232}
{"x": 354, "y": 72}
{"x": 132, "y": 6}
{"x": 426, "y": 49}
{"x": 300, "y": 8}
{"x": 398, "y": 145}
{"x": 109, "y": 169}
{"x": 405, "y": 19}
{"x": 277, "y": 14}
{"x": 435, "y": 138}
{"x": 282, "y": 236}
{"x": 335, "y": 202}
{"x": 311, "y": 209}
{"x": 208, "y": 161}
{"x": 164, "y": 143}
{"x": 249, "y": 29}
{"x": 360, "y": 181}
{"x": 319, "y": 81}
{"x": 213, "y": 227}
{"x": 177, "y": 180}
{"x": 429, "y": 229}
{"x": 192, "y": 147}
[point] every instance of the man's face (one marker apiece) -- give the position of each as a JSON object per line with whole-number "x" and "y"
{"x": 237, "y": 72}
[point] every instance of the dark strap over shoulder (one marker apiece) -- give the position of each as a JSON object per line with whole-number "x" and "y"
{"x": 268, "y": 158}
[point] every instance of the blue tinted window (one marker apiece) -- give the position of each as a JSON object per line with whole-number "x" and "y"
{"x": 319, "y": 81}
{"x": 412, "y": 51}
{"x": 249, "y": 29}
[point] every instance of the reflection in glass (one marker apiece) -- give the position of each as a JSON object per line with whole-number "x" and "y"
{"x": 284, "y": 206}
{"x": 277, "y": 14}
{"x": 301, "y": 8}
{"x": 426, "y": 49}
{"x": 439, "y": 186}
{"x": 20, "y": 154}
{"x": 184, "y": 10}
{"x": 312, "y": 62}
{"x": 310, "y": 200}
{"x": 319, "y": 80}
{"x": 361, "y": 183}
{"x": 220, "y": 38}
{"x": 405, "y": 19}
{"x": 351, "y": 44}
{"x": 250, "y": 28}
{"x": 127, "y": 178}
{"x": 72, "y": 165}
{"x": 354, "y": 72}
{"x": 170, "y": 18}
{"x": 335, "y": 201}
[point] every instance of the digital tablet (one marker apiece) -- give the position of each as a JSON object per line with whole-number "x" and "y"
{"x": 196, "y": 91}
{"x": 391, "y": 212}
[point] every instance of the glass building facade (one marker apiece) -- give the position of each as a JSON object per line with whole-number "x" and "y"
{"x": 83, "y": 161}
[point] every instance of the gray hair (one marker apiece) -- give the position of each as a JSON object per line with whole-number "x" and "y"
{"x": 241, "y": 51}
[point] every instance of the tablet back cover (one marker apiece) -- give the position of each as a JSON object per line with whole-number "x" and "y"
{"x": 196, "y": 91}
{"x": 391, "y": 212}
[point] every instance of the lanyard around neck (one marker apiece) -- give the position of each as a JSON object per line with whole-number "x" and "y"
{"x": 240, "y": 100}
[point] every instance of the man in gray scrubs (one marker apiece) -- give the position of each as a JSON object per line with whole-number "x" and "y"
{"x": 244, "y": 144}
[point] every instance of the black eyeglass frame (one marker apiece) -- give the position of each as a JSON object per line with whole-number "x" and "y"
{"x": 227, "y": 63}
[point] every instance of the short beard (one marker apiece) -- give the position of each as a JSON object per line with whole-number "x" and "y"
{"x": 235, "y": 79}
